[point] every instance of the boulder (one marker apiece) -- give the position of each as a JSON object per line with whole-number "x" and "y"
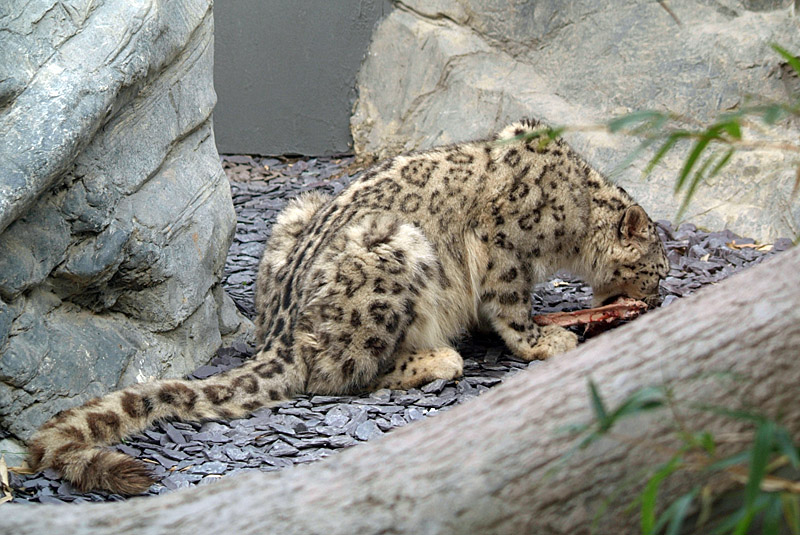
{"x": 445, "y": 71}
{"x": 115, "y": 214}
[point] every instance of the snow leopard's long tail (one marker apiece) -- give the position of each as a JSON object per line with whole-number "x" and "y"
{"x": 73, "y": 441}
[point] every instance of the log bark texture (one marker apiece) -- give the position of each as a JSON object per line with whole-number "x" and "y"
{"x": 498, "y": 464}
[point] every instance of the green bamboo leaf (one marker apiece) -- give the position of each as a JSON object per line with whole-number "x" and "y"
{"x": 599, "y": 407}
{"x": 761, "y": 451}
{"x": 549, "y": 135}
{"x": 572, "y": 429}
{"x": 527, "y": 136}
{"x": 734, "y": 129}
{"x": 544, "y": 134}
{"x": 744, "y": 524}
{"x": 703, "y": 440}
{"x": 708, "y": 443}
{"x": 678, "y": 511}
{"x": 772, "y": 516}
{"x": 736, "y": 414}
{"x": 554, "y": 132}
{"x": 729, "y": 523}
{"x": 544, "y": 141}
{"x": 787, "y": 447}
{"x": 697, "y": 178}
{"x": 650, "y": 493}
{"x": 790, "y": 58}
{"x": 739, "y": 521}
{"x": 731, "y": 460}
{"x": 701, "y": 171}
{"x": 722, "y": 163}
{"x": 791, "y": 511}
{"x": 691, "y": 160}
{"x": 772, "y": 114}
{"x": 629, "y": 159}
{"x": 659, "y": 155}
{"x": 586, "y": 442}
{"x": 687, "y": 198}
{"x": 636, "y": 117}
{"x": 644, "y": 399}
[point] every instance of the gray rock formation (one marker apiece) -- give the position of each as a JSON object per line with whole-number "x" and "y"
{"x": 449, "y": 70}
{"x": 115, "y": 214}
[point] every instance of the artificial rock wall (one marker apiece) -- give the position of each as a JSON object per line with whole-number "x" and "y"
{"x": 115, "y": 214}
{"x": 451, "y": 70}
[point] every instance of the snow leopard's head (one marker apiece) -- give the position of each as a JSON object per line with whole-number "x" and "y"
{"x": 633, "y": 262}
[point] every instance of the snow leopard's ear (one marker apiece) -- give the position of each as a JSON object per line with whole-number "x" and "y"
{"x": 633, "y": 226}
{"x": 523, "y": 126}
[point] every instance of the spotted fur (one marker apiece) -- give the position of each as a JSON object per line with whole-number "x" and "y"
{"x": 369, "y": 289}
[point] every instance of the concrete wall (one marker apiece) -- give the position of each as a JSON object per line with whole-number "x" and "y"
{"x": 285, "y": 70}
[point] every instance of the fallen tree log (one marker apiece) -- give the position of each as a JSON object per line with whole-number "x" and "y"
{"x": 498, "y": 464}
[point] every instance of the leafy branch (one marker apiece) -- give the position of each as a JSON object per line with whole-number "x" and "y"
{"x": 711, "y": 146}
{"x": 775, "y": 499}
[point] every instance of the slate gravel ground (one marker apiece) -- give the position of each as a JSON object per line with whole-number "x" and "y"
{"x": 309, "y": 428}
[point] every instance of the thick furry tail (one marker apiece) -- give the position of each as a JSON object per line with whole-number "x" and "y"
{"x": 72, "y": 442}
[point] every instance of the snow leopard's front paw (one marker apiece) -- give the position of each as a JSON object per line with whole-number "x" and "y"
{"x": 412, "y": 370}
{"x": 552, "y": 340}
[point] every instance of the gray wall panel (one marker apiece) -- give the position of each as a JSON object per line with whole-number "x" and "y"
{"x": 284, "y": 72}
